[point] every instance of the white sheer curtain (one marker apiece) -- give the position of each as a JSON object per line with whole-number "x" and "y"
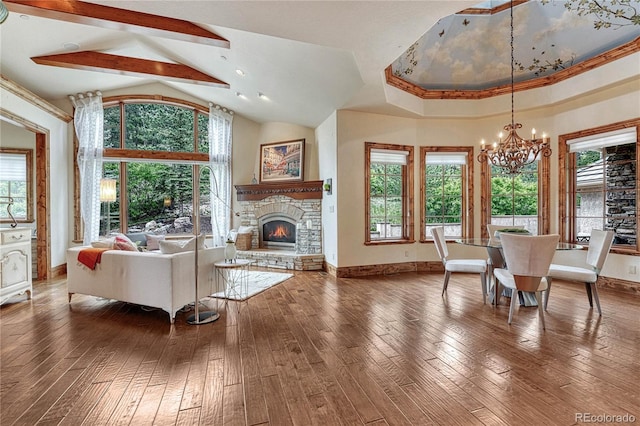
{"x": 220, "y": 143}
{"x": 89, "y": 123}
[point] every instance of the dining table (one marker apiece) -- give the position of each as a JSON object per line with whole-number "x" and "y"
{"x": 494, "y": 250}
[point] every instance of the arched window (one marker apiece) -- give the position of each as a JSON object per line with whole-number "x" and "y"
{"x": 153, "y": 149}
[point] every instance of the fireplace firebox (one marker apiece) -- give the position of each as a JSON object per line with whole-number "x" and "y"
{"x": 278, "y": 233}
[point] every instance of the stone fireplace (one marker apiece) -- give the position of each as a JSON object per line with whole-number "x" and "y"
{"x": 286, "y": 223}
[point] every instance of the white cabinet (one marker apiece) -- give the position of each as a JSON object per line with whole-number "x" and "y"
{"x": 15, "y": 262}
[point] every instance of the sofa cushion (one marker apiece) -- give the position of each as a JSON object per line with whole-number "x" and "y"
{"x": 153, "y": 241}
{"x": 179, "y": 246}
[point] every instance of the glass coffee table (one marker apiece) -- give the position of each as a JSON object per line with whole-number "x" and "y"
{"x": 233, "y": 277}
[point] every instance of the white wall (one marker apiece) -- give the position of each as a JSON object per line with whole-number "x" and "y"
{"x": 605, "y": 106}
{"x": 328, "y": 166}
{"x": 12, "y": 136}
{"x": 59, "y": 225}
{"x": 354, "y": 129}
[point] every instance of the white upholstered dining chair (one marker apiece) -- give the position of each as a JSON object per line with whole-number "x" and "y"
{"x": 528, "y": 259}
{"x": 470, "y": 266}
{"x": 599, "y": 245}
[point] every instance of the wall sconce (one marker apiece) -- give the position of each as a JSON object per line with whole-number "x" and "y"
{"x": 327, "y": 186}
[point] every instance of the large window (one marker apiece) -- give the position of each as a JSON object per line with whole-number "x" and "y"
{"x": 446, "y": 191}
{"x": 153, "y": 148}
{"x": 389, "y": 193}
{"x": 521, "y": 199}
{"x": 599, "y": 189}
{"x": 16, "y": 168}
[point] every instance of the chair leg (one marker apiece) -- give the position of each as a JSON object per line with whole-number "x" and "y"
{"x": 594, "y": 290}
{"x": 546, "y": 293}
{"x": 588, "y": 287}
{"x": 497, "y": 287}
{"x": 514, "y": 298}
{"x": 483, "y": 284}
{"x": 538, "y": 295}
{"x": 447, "y": 274}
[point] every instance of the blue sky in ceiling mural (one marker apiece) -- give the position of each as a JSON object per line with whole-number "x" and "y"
{"x": 471, "y": 51}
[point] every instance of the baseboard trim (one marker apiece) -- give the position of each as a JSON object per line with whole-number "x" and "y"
{"x": 383, "y": 269}
{"x": 632, "y": 287}
{"x": 58, "y": 271}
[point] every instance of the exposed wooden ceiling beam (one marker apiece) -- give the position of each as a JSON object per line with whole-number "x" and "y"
{"x": 124, "y": 65}
{"x": 117, "y": 19}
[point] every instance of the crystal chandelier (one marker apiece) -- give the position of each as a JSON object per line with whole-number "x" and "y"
{"x": 513, "y": 152}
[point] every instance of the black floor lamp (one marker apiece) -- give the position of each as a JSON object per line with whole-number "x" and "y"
{"x": 208, "y": 316}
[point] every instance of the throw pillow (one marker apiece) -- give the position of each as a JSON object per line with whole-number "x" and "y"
{"x": 124, "y": 243}
{"x": 153, "y": 241}
{"x": 104, "y": 243}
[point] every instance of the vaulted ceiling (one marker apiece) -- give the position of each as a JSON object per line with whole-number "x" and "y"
{"x": 307, "y": 59}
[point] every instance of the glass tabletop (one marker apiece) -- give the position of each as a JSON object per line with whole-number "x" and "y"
{"x": 493, "y": 243}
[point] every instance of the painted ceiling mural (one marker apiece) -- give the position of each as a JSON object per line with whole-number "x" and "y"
{"x": 470, "y": 51}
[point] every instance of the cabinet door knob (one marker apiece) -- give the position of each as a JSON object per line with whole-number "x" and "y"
{"x": 19, "y": 237}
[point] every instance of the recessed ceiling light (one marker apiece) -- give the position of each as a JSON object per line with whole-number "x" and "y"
{"x": 69, "y": 46}
{"x": 262, "y": 96}
{"x": 240, "y": 72}
{"x": 224, "y": 58}
{"x": 240, "y": 95}
{"x": 25, "y": 17}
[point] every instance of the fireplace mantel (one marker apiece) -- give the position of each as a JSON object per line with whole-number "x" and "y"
{"x": 299, "y": 190}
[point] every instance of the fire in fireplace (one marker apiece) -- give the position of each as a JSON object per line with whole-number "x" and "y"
{"x": 278, "y": 233}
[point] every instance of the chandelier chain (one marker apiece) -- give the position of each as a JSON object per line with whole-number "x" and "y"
{"x": 513, "y": 152}
{"x": 512, "y": 66}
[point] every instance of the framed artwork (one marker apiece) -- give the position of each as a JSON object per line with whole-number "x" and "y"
{"x": 282, "y": 161}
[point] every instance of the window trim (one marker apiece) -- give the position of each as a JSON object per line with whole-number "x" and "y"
{"x": 467, "y": 182}
{"x": 28, "y": 154}
{"x": 407, "y": 195}
{"x": 566, "y": 185}
{"x": 544, "y": 193}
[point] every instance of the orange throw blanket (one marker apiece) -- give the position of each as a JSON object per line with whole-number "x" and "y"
{"x": 90, "y": 257}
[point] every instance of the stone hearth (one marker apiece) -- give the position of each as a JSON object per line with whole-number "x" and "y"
{"x": 283, "y": 259}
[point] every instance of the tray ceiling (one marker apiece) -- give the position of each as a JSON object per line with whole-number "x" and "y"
{"x": 470, "y": 50}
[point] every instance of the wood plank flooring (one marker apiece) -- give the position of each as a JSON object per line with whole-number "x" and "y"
{"x": 316, "y": 350}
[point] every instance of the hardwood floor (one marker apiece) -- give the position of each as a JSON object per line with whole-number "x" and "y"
{"x": 320, "y": 350}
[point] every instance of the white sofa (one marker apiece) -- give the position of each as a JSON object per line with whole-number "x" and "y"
{"x": 164, "y": 281}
